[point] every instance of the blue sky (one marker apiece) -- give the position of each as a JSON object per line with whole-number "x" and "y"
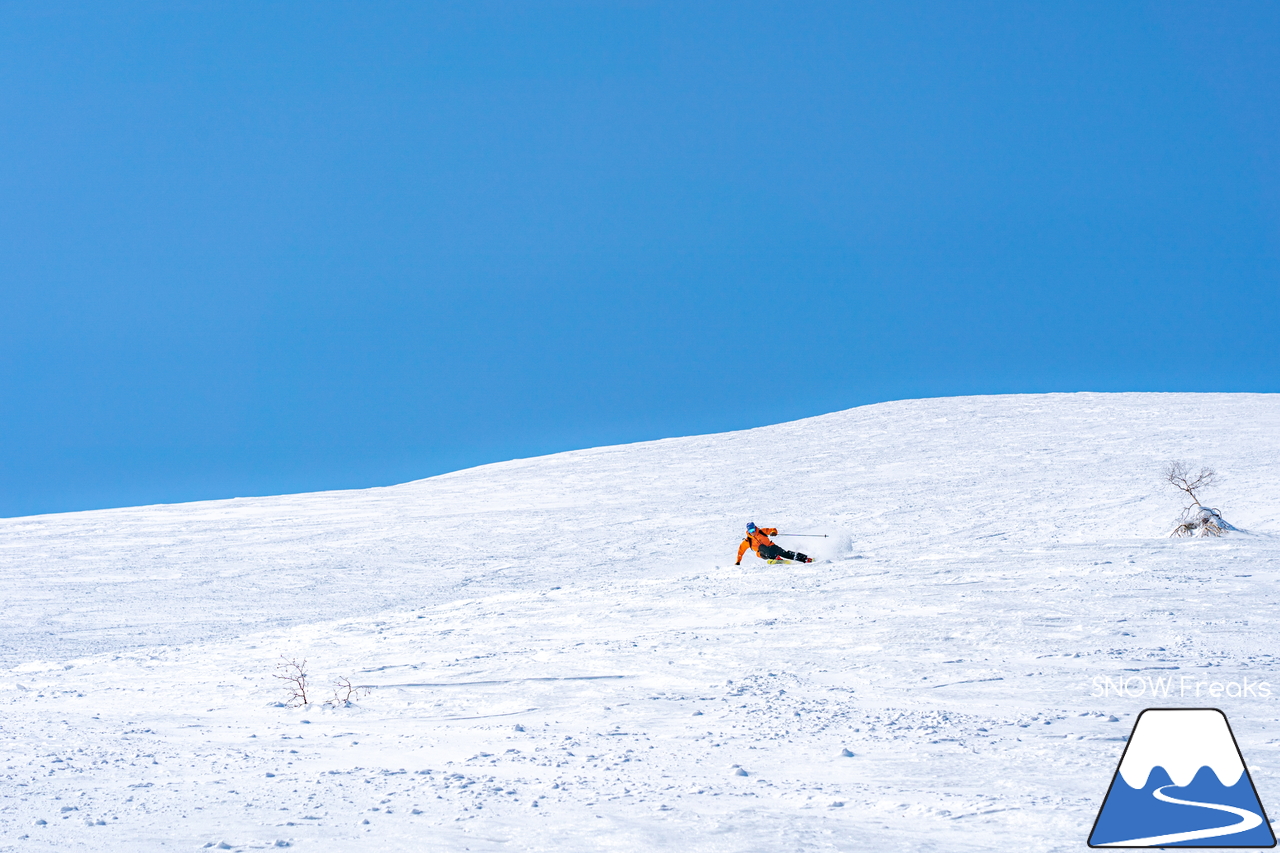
{"x": 277, "y": 247}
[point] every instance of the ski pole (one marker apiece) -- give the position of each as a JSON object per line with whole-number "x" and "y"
{"x": 822, "y": 535}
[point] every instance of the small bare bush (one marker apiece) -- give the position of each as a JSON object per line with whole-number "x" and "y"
{"x": 294, "y": 676}
{"x": 1196, "y": 519}
{"x": 344, "y": 692}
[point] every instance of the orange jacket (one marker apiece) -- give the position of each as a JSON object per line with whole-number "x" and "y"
{"x": 755, "y": 540}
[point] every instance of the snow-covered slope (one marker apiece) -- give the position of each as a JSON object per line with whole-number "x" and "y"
{"x": 561, "y": 654}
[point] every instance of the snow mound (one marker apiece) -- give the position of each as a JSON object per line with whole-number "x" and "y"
{"x": 1203, "y": 521}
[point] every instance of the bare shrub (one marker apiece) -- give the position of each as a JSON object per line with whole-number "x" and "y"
{"x": 294, "y": 676}
{"x": 1196, "y": 519}
{"x": 344, "y": 692}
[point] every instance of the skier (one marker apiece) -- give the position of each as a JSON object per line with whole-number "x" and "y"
{"x": 758, "y": 540}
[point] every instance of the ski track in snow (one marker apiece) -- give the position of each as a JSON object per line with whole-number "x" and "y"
{"x": 561, "y": 655}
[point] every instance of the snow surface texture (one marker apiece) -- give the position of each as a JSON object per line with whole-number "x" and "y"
{"x": 563, "y": 656}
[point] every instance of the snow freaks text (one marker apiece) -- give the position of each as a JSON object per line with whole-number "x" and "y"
{"x": 1182, "y": 687}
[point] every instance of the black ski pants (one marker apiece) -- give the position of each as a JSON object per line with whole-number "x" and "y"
{"x": 773, "y": 552}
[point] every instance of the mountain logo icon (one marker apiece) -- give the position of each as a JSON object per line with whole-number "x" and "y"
{"x": 1182, "y": 782}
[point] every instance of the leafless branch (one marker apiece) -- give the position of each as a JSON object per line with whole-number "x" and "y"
{"x": 344, "y": 692}
{"x": 1178, "y": 475}
{"x": 1205, "y": 522}
{"x": 294, "y": 675}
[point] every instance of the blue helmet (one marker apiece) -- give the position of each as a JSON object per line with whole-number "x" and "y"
{"x": 751, "y": 527}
